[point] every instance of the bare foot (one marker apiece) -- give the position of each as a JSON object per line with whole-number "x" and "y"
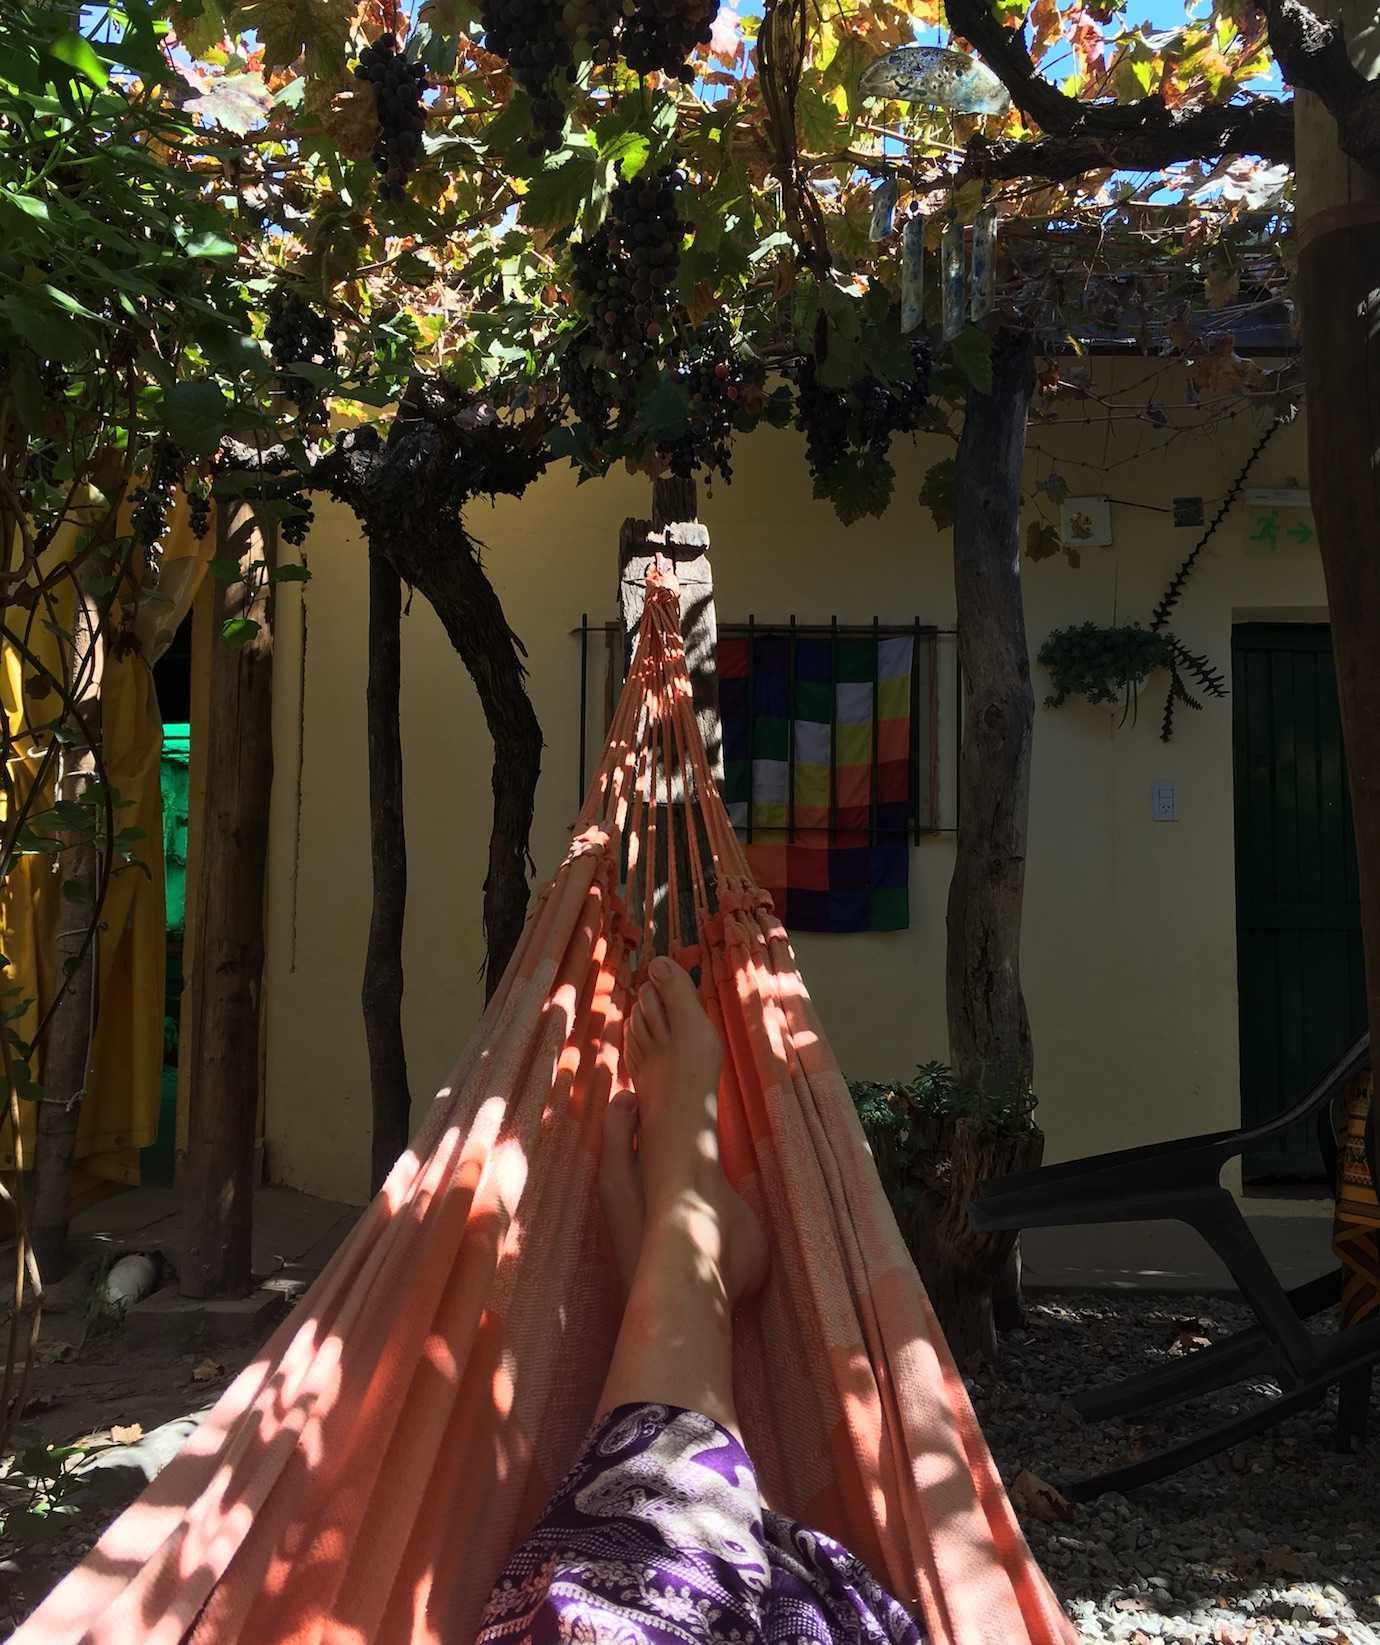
{"x": 674, "y": 1057}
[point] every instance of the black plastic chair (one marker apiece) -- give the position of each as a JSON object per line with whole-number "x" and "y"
{"x": 1180, "y": 1181}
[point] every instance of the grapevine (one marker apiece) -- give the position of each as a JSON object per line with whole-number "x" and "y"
{"x": 587, "y": 386}
{"x": 625, "y": 274}
{"x": 198, "y": 513}
{"x": 296, "y": 334}
{"x": 295, "y": 527}
{"x": 152, "y": 499}
{"x": 398, "y": 87}
{"x": 664, "y": 35}
{"x": 723, "y": 388}
{"x": 856, "y": 424}
{"x": 546, "y": 41}
{"x": 531, "y": 35}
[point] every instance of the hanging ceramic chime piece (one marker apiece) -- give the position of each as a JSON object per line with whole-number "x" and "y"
{"x": 883, "y": 208}
{"x": 951, "y": 270}
{"x": 913, "y": 273}
{"x": 983, "y": 277}
{"x": 938, "y": 77}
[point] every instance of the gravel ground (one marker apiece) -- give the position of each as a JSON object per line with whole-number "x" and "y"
{"x": 1277, "y": 1540}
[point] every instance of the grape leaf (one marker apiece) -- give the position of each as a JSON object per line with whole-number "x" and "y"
{"x": 816, "y": 120}
{"x": 937, "y": 492}
{"x": 239, "y": 630}
{"x": 561, "y": 189}
{"x": 858, "y": 484}
{"x": 665, "y": 410}
{"x": 237, "y": 102}
{"x": 318, "y": 30}
{"x": 1041, "y": 540}
{"x": 196, "y": 411}
{"x": 971, "y": 352}
{"x": 200, "y": 25}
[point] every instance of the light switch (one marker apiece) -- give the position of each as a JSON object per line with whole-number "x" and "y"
{"x": 1163, "y": 806}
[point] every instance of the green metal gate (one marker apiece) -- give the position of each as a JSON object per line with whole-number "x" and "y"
{"x": 1299, "y": 965}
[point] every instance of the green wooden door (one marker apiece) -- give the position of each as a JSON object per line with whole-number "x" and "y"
{"x": 1299, "y": 968}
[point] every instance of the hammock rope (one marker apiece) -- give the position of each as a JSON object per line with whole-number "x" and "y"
{"x": 363, "y": 1481}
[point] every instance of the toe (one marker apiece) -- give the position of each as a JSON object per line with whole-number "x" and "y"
{"x": 676, "y": 993}
{"x": 650, "y": 1014}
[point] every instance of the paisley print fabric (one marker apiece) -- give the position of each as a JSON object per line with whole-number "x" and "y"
{"x": 658, "y": 1536}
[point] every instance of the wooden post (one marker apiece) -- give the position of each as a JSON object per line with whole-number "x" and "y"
{"x": 1338, "y": 232}
{"x": 217, "y": 1176}
{"x": 676, "y": 532}
{"x": 68, "y": 1039}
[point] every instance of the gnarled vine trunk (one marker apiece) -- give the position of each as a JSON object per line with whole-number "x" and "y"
{"x": 989, "y": 1030}
{"x": 382, "y": 990}
{"x": 440, "y": 561}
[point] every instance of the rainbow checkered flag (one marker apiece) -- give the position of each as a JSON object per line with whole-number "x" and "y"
{"x": 819, "y": 774}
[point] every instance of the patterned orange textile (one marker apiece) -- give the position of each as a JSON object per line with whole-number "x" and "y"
{"x": 1356, "y": 1217}
{"x": 365, "y": 1478}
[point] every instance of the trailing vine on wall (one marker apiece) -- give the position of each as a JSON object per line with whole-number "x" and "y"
{"x": 1109, "y": 664}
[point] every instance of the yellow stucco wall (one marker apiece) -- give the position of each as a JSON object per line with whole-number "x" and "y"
{"x": 1129, "y": 950}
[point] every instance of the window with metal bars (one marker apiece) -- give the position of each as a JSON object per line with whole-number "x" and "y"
{"x": 831, "y": 745}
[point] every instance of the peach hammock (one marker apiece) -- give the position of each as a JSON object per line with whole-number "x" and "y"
{"x": 366, "y": 1477}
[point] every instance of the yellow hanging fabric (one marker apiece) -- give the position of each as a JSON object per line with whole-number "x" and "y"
{"x": 120, "y": 1113}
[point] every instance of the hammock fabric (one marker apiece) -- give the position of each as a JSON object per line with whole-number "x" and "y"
{"x": 365, "y": 1479}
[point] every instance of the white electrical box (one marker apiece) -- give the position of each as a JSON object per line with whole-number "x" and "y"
{"x": 1163, "y": 803}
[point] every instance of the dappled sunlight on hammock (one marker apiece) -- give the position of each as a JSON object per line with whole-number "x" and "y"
{"x": 364, "y": 1480}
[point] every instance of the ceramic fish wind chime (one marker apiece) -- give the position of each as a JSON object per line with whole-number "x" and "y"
{"x": 938, "y": 77}
{"x": 967, "y": 287}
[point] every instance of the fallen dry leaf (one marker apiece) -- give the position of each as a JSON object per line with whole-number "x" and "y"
{"x": 1032, "y": 1495}
{"x": 1189, "y": 1336}
{"x": 1284, "y": 1559}
{"x": 127, "y": 1436}
{"x": 207, "y": 1371}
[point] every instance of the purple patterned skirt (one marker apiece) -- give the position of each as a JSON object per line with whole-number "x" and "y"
{"x": 658, "y": 1537}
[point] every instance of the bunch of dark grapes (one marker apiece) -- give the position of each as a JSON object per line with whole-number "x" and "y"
{"x": 530, "y": 34}
{"x": 825, "y": 418}
{"x": 199, "y": 513}
{"x": 663, "y": 34}
{"x": 724, "y": 390}
{"x": 587, "y": 386}
{"x": 296, "y": 333}
{"x": 592, "y": 27}
{"x": 858, "y": 421}
{"x": 398, "y": 87}
{"x": 626, "y": 273}
{"x": 152, "y": 499}
{"x": 295, "y": 527}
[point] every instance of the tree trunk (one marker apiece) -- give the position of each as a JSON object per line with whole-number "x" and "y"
{"x": 444, "y": 564}
{"x": 989, "y": 1031}
{"x": 382, "y": 991}
{"x": 217, "y": 1179}
{"x": 67, "y": 1040}
{"x": 1338, "y": 213}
